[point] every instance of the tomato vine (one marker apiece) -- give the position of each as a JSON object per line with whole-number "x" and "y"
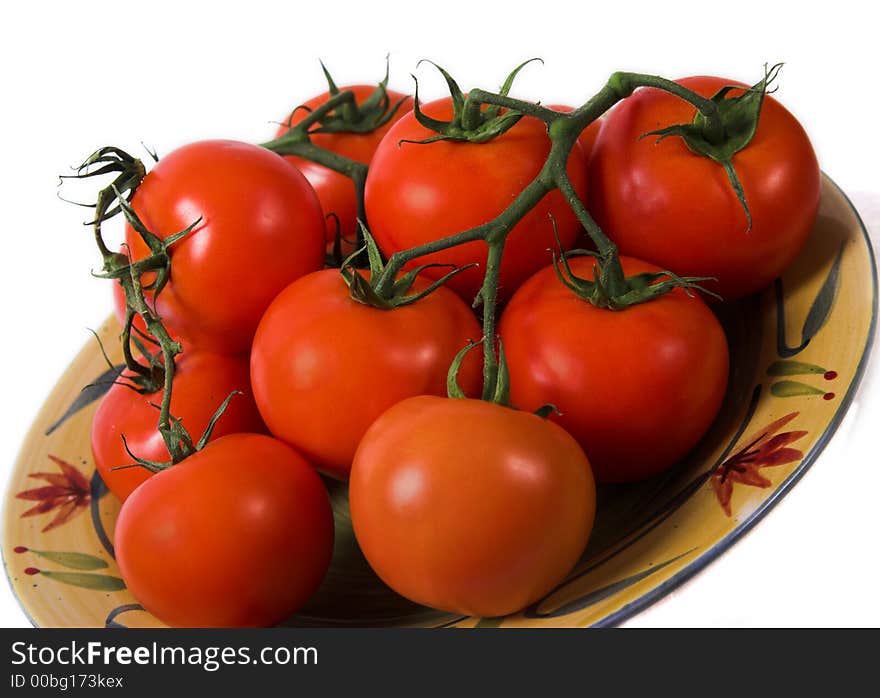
{"x": 480, "y": 116}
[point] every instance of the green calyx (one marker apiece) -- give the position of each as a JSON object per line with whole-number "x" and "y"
{"x": 471, "y": 122}
{"x": 349, "y": 116}
{"x": 639, "y": 288}
{"x": 179, "y": 432}
{"x": 738, "y": 117}
{"x": 379, "y": 292}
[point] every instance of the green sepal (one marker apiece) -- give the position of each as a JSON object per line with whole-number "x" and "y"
{"x": 209, "y": 430}
{"x": 152, "y": 465}
{"x": 404, "y": 283}
{"x": 393, "y": 295}
{"x": 639, "y": 288}
{"x": 739, "y": 118}
{"x": 454, "y": 91}
{"x": 453, "y": 389}
{"x": 501, "y": 392}
{"x": 494, "y": 109}
{"x": 470, "y": 122}
{"x": 332, "y": 89}
{"x": 373, "y": 112}
{"x": 188, "y": 447}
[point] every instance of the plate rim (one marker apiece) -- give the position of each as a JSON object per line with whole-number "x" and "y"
{"x": 697, "y": 565}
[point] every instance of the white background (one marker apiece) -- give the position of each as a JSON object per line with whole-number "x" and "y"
{"x": 81, "y": 75}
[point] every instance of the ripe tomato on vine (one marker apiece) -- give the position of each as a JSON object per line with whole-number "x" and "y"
{"x": 671, "y": 205}
{"x": 418, "y": 192}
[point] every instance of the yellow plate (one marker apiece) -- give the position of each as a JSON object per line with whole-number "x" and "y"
{"x": 798, "y": 352}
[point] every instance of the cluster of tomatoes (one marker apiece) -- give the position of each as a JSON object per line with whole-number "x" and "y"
{"x": 459, "y": 503}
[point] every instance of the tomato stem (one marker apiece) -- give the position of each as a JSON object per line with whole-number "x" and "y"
{"x": 156, "y": 372}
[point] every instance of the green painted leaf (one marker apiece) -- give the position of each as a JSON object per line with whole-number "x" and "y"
{"x": 76, "y": 561}
{"x": 793, "y": 368}
{"x": 89, "y": 394}
{"x": 97, "y": 582}
{"x": 793, "y": 389}
{"x": 821, "y": 307}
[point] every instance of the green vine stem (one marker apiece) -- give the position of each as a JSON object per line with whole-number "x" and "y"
{"x": 563, "y": 130}
{"x": 156, "y": 372}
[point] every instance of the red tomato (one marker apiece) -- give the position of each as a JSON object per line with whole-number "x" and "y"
{"x": 637, "y": 387}
{"x": 237, "y": 535}
{"x": 470, "y": 507}
{"x": 261, "y": 228}
{"x": 335, "y": 191}
{"x": 202, "y": 381}
{"x": 419, "y": 193}
{"x": 324, "y": 366}
{"x": 663, "y": 203}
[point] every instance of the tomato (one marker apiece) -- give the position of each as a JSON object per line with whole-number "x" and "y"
{"x": 238, "y": 534}
{"x": 261, "y": 227}
{"x": 417, "y": 193}
{"x": 202, "y": 381}
{"x": 637, "y": 387}
{"x": 324, "y": 366}
{"x": 468, "y": 506}
{"x": 336, "y": 191}
{"x": 663, "y": 203}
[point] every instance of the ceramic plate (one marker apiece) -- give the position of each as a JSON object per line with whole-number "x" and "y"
{"x": 798, "y": 352}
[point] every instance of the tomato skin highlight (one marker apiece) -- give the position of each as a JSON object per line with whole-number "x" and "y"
{"x": 238, "y": 535}
{"x": 261, "y": 227}
{"x": 202, "y": 381}
{"x": 420, "y": 193}
{"x": 665, "y": 204}
{"x": 324, "y": 366}
{"x": 470, "y": 507}
{"x": 336, "y": 191}
{"x": 637, "y": 388}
